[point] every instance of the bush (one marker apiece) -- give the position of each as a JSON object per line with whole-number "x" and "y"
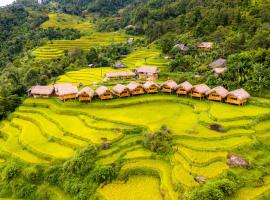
{"x": 52, "y": 174}
{"x": 160, "y": 141}
{"x": 103, "y": 174}
{"x": 11, "y": 171}
{"x": 33, "y": 174}
{"x": 215, "y": 190}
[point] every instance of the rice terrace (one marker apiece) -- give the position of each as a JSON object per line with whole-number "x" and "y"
{"x": 128, "y": 112}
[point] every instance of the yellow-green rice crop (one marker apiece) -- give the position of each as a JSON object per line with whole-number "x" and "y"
{"x": 134, "y": 188}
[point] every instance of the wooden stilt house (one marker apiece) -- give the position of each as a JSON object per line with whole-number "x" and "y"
{"x": 66, "y": 91}
{"x": 183, "y": 88}
{"x": 104, "y": 93}
{"x": 41, "y": 91}
{"x": 238, "y": 97}
{"x": 86, "y": 94}
{"x": 121, "y": 90}
{"x": 168, "y": 86}
{"x": 199, "y": 91}
{"x": 135, "y": 88}
{"x": 150, "y": 87}
{"x": 217, "y": 94}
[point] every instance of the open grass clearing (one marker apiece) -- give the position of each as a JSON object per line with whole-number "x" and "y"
{"x": 135, "y": 188}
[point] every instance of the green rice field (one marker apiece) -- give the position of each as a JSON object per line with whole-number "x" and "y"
{"x": 55, "y": 48}
{"x": 43, "y": 130}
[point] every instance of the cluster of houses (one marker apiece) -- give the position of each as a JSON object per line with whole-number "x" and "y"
{"x": 69, "y": 91}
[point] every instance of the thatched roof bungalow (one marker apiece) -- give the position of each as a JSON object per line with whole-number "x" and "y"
{"x": 66, "y": 91}
{"x": 238, "y": 97}
{"x": 86, "y": 94}
{"x": 104, "y": 93}
{"x": 121, "y": 90}
{"x": 150, "y": 87}
{"x": 41, "y": 91}
{"x": 205, "y": 45}
{"x": 168, "y": 86}
{"x": 199, "y": 91}
{"x": 217, "y": 94}
{"x": 145, "y": 72}
{"x": 135, "y": 88}
{"x": 120, "y": 75}
{"x": 183, "y": 88}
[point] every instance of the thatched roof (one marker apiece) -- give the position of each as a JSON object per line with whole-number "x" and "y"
{"x": 201, "y": 88}
{"x": 240, "y": 94}
{"x": 218, "y": 63}
{"x": 66, "y": 89}
{"x": 119, "y": 74}
{"x": 119, "y": 88}
{"x": 185, "y": 85}
{"x": 170, "y": 83}
{"x": 101, "y": 90}
{"x": 206, "y": 45}
{"x": 42, "y": 90}
{"x": 133, "y": 85}
{"x": 119, "y": 65}
{"x": 149, "y": 84}
{"x": 182, "y": 47}
{"x": 61, "y": 85}
{"x": 86, "y": 91}
{"x": 220, "y": 70}
{"x": 221, "y": 91}
{"x": 147, "y": 70}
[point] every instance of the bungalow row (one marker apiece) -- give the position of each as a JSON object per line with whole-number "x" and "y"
{"x": 68, "y": 91}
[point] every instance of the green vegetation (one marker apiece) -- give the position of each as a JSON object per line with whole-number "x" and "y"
{"x": 144, "y": 147}
{"x": 56, "y": 129}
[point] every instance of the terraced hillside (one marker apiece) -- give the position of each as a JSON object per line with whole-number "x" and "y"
{"x": 55, "y": 48}
{"x": 43, "y": 130}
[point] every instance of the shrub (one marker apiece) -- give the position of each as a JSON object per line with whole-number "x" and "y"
{"x": 103, "y": 174}
{"x": 52, "y": 174}
{"x": 160, "y": 141}
{"x": 11, "y": 171}
{"x": 33, "y": 174}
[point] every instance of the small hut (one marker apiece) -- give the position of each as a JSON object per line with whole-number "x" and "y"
{"x": 135, "y": 88}
{"x": 41, "y": 91}
{"x": 183, "y": 88}
{"x": 205, "y": 45}
{"x": 168, "y": 86}
{"x": 104, "y": 93}
{"x": 145, "y": 72}
{"x": 219, "y": 63}
{"x": 119, "y": 75}
{"x": 217, "y": 93}
{"x": 86, "y": 94}
{"x": 121, "y": 90}
{"x": 181, "y": 47}
{"x": 238, "y": 97}
{"x": 199, "y": 91}
{"x": 150, "y": 87}
{"x": 66, "y": 91}
{"x": 119, "y": 65}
